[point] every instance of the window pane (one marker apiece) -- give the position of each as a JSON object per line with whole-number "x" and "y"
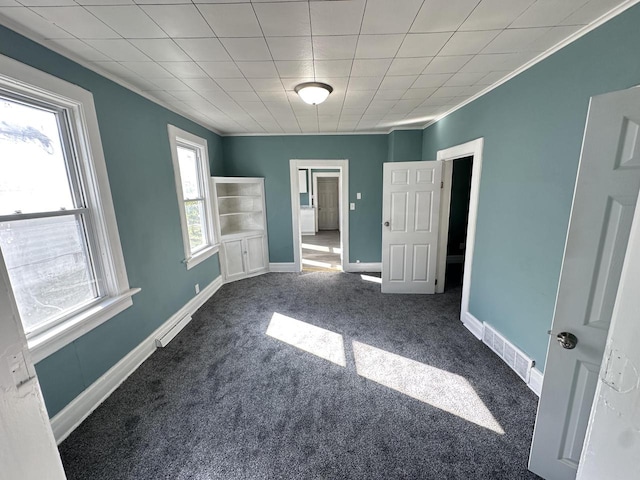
{"x": 195, "y": 224}
{"x": 48, "y": 266}
{"x": 188, "y": 159}
{"x": 33, "y": 173}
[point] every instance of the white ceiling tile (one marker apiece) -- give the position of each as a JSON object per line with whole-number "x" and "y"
{"x": 464, "y": 79}
{"x": 244, "y": 96}
{"x": 434, "y": 80}
{"x": 514, "y": 40}
{"x": 179, "y": 20}
{"x": 336, "y": 18}
{"x": 364, "y": 83}
{"x": 290, "y": 48}
{"x": 383, "y": 16}
{"x": 172, "y": 84}
{"x": 118, "y": 49}
{"x": 293, "y": 69}
{"x": 358, "y": 98}
{"x": 290, "y": 83}
{"x": 408, "y": 66}
{"x": 187, "y": 95}
{"x": 419, "y": 93}
{"x": 39, "y": 25}
{"x": 370, "y": 67}
{"x": 271, "y": 96}
{"x": 161, "y": 49}
{"x": 590, "y": 11}
{"x": 232, "y": 20}
{"x": 129, "y": 21}
{"x": 247, "y": 49}
{"x": 423, "y": 44}
{"x": 204, "y": 49}
{"x": 265, "y": 69}
{"x": 266, "y": 84}
{"x": 442, "y": 15}
{"x": 406, "y": 105}
{"x": 552, "y": 37}
{"x": 496, "y": 61}
{"x": 398, "y": 82}
{"x": 117, "y": 70}
{"x": 283, "y": 19}
{"x": 465, "y": 43}
{"x": 77, "y": 21}
{"x": 221, "y": 69}
{"x": 449, "y": 92}
{"x": 445, "y": 64}
{"x": 333, "y": 68}
{"x": 492, "y": 77}
{"x": 80, "y": 48}
{"x": 334, "y": 47}
{"x": 147, "y": 69}
{"x": 390, "y": 94}
{"x": 380, "y": 106}
{"x": 152, "y": 2}
{"x": 184, "y": 69}
{"x": 234, "y": 84}
{"x": 495, "y": 14}
{"x": 547, "y": 13}
{"x": 378, "y": 46}
{"x": 47, "y": 3}
{"x": 339, "y": 84}
{"x": 353, "y": 111}
{"x": 201, "y": 84}
{"x": 437, "y": 101}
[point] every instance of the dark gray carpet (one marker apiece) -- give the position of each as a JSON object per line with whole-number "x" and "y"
{"x": 226, "y": 401}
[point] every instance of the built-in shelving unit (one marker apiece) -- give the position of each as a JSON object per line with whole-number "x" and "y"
{"x": 240, "y": 209}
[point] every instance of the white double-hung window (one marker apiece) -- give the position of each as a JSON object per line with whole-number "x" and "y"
{"x": 59, "y": 241}
{"x": 191, "y": 167}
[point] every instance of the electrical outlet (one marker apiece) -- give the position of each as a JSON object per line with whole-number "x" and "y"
{"x": 197, "y": 288}
{"x": 358, "y": 196}
{"x": 352, "y": 206}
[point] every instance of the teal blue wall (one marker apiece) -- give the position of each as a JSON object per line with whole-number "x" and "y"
{"x": 533, "y": 127}
{"x": 136, "y": 148}
{"x": 269, "y": 157}
{"x": 405, "y": 146}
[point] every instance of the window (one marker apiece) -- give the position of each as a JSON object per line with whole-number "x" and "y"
{"x": 58, "y": 235}
{"x": 191, "y": 166}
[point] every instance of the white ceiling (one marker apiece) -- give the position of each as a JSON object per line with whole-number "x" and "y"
{"x": 232, "y": 64}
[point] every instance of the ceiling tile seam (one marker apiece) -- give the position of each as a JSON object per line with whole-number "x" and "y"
{"x": 547, "y": 53}
{"x": 346, "y": 89}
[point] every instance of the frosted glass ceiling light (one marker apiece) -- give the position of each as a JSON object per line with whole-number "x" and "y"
{"x": 313, "y": 93}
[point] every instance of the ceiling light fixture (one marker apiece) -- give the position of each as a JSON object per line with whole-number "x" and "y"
{"x": 313, "y": 93}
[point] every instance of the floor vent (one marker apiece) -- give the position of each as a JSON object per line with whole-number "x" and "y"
{"x": 518, "y": 361}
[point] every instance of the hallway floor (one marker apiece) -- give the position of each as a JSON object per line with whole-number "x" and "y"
{"x": 321, "y": 252}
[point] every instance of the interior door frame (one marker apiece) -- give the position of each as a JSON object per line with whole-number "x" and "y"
{"x": 315, "y": 176}
{"x": 343, "y": 190}
{"x": 473, "y": 148}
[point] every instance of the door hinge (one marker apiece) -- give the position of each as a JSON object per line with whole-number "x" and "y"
{"x": 436, "y": 281}
{"x": 441, "y": 184}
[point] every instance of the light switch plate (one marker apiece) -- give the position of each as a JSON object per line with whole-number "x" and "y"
{"x": 352, "y": 206}
{"x": 358, "y": 196}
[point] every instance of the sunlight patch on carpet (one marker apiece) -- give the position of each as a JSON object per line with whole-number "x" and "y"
{"x": 318, "y": 341}
{"x": 439, "y": 388}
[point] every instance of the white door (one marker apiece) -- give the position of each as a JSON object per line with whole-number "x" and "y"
{"x": 603, "y": 206}
{"x": 410, "y": 217}
{"x": 27, "y": 447}
{"x": 255, "y": 254}
{"x": 233, "y": 259}
{"x": 328, "y": 203}
{"x": 612, "y": 446}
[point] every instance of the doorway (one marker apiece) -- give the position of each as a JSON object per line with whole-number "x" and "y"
{"x": 319, "y": 189}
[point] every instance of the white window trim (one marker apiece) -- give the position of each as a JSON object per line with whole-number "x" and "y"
{"x": 21, "y": 78}
{"x": 178, "y": 135}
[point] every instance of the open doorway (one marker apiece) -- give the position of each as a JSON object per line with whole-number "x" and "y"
{"x": 321, "y": 235}
{"x": 320, "y": 220}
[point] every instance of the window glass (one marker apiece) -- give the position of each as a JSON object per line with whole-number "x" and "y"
{"x": 194, "y": 210}
{"x": 188, "y": 159}
{"x": 33, "y": 170}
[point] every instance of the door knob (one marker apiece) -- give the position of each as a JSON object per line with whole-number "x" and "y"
{"x": 567, "y": 340}
{"x": 386, "y": 224}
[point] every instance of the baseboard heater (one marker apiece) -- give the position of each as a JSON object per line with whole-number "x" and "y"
{"x": 164, "y": 340}
{"x": 518, "y": 361}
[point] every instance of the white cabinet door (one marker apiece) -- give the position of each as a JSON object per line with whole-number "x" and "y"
{"x": 411, "y": 209}
{"x": 233, "y": 259}
{"x": 255, "y": 254}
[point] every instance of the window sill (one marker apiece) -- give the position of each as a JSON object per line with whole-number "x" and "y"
{"x": 201, "y": 256}
{"x": 45, "y": 343}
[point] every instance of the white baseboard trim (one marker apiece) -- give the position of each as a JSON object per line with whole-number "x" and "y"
{"x": 364, "y": 267}
{"x": 283, "y": 267}
{"x": 474, "y": 325}
{"x": 535, "y": 381}
{"x": 66, "y": 421}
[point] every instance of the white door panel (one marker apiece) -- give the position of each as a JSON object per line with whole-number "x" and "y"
{"x": 255, "y": 254}
{"x": 328, "y": 215}
{"x": 411, "y": 206}
{"x": 603, "y": 208}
